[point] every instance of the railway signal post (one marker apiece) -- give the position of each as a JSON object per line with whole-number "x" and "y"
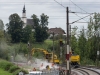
{"x": 53, "y": 49}
{"x": 28, "y": 51}
{"x": 67, "y": 55}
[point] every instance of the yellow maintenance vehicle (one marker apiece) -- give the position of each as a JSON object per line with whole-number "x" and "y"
{"x": 75, "y": 60}
{"x": 50, "y": 56}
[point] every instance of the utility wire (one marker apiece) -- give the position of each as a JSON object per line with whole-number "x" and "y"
{"x": 31, "y": 2}
{"x": 59, "y": 3}
{"x": 82, "y": 22}
{"x": 80, "y": 18}
{"x": 78, "y": 6}
{"x": 80, "y": 12}
{"x": 81, "y": 9}
{"x": 49, "y": 16}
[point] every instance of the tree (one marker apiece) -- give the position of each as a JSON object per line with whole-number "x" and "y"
{"x": 93, "y": 36}
{"x": 74, "y": 42}
{"x": 44, "y": 20}
{"x": 1, "y": 34}
{"x": 15, "y": 27}
{"x": 27, "y": 34}
{"x": 82, "y": 43}
{"x": 40, "y": 27}
{"x": 1, "y": 30}
{"x": 1, "y": 25}
{"x": 31, "y": 37}
{"x": 35, "y": 20}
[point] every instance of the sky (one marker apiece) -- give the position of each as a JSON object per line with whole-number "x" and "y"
{"x": 55, "y": 9}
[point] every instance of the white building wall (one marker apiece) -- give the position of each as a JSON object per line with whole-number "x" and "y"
{"x": 24, "y": 19}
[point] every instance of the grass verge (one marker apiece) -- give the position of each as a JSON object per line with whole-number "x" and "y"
{"x": 2, "y": 72}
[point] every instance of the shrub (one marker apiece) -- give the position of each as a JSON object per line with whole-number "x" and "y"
{"x": 13, "y": 68}
{"x": 16, "y": 72}
{"x": 86, "y": 61}
{"x": 5, "y": 65}
{"x": 20, "y": 70}
{"x": 26, "y": 72}
{"x": 4, "y": 53}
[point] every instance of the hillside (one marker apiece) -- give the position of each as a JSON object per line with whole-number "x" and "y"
{"x": 8, "y": 68}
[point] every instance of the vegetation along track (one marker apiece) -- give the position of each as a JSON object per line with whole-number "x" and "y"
{"x": 84, "y": 71}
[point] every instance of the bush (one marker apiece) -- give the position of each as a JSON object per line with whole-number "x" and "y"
{"x": 5, "y": 65}
{"x": 13, "y": 68}
{"x": 4, "y": 54}
{"x": 86, "y": 61}
{"x": 16, "y": 72}
{"x": 25, "y": 72}
{"x": 20, "y": 70}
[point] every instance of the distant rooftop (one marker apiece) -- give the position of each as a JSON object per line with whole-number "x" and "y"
{"x": 56, "y": 31}
{"x": 30, "y": 22}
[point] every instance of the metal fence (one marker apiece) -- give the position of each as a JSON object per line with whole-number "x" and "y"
{"x": 55, "y": 72}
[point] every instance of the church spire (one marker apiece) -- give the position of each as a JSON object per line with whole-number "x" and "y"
{"x": 24, "y": 19}
{"x": 24, "y": 11}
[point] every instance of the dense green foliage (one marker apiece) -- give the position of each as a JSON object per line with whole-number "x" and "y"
{"x": 27, "y": 34}
{"x": 14, "y": 28}
{"x": 40, "y": 27}
{"x": 2, "y": 31}
{"x": 88, "y": 40}
{"x": 5, "y": 65}
{"x": 17, "y": 32}
{"x": 11, "y": 68}
{"x": 1, "y": 25}
{"x": 19, "y": 70}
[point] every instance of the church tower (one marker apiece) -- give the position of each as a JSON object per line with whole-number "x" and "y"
{"x": 24, "y": 19}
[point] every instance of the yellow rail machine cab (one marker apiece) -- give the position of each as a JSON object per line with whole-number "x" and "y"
{"x": 75, "y": 60}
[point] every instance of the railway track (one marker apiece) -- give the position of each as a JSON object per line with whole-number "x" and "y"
{"x": 77, "y": 71}
{"x": 84, "y": 71}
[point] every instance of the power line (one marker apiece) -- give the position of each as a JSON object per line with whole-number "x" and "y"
{"x": 73, "y": 12}
{"x": 59, "y": 3}
{"x": 31, "y": 2}
{"x": 82, "y": 22}
{"x": 80, "y": 19}
{"x": 49, "y": 18}
{"x": 80, "y": 12}
{"x": 76, "y": 14}
{"x": 78, "y": 6}
{"x": 43, "y": 3}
